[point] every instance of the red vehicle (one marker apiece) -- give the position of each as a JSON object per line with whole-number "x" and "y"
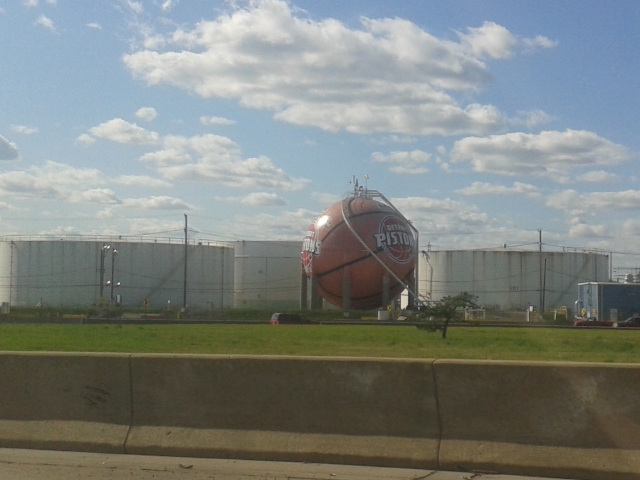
{"x": 591, "y": 322}
{"x": 629, "y": 323}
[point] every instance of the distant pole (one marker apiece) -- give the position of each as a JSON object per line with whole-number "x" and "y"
{"x": 595, "y": 260}
{"x": 544, "y": 283}
{"x": 540, "y": 300}
{"x": 184, "y": 288}
{"x": 103, "y": 253}
{"x": 113, "y": 267}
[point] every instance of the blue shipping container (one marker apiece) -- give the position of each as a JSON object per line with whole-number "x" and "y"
{"x": 608, "y": 301}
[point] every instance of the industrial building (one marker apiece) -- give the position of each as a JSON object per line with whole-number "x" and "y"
{"x": 508, "y": 279}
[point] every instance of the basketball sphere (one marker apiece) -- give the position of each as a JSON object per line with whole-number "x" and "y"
{"x": 364, "y": 241}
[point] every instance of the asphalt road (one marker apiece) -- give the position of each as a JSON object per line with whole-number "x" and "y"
{"x": 19, "y": 464}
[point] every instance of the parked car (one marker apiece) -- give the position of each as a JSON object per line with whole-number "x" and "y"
{"x": 288, "y": 318}
{"x": 591, "y": 322}
{"x": 629, "y": 322}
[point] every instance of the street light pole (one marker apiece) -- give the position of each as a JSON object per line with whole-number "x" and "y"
{"x": 103, "y": 253}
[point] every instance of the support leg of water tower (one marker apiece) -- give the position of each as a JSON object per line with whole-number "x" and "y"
{"x": 315, "y": 298}
{"x": 346, "y": 295}
{"x": 303, "y": 291}
{"x": 386, "y": 291}
{"x": 411, "y": 299}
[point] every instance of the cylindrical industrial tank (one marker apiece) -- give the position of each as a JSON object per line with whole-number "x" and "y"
{"x": 267, "y": 274}
{"x": 76, "y": 272}
{"x": 509, "y": 279}
{"x": 362, "y": 249}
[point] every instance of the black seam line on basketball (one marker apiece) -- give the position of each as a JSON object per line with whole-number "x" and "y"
{"x": 391, "y": 287}
{"x": 367, "y": 297}
{"x": 334, "y": 227}
{"x": 352, "y": 262}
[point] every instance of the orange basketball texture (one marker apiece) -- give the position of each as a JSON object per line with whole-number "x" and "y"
{"x": 332, "y": 251}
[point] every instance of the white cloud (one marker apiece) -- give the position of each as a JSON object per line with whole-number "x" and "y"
{"x": 85, "y": 140}
{"x": 8, "y": 150}
{"x": 631, "y": 228}
{"x": 551, "y": 154}
{"x": 430, "y": 205}
{"x": 597, "y": 176}
{"x": 135, "y": 7}
{"x": 215, "y": 159}
{"x": 167, "y": 5}
{"x": 440, "y": 218}
{"x": 121, "y": 131}
{"x": 156, "y": 203}
{"x": 387, "y": 76}
{"x": 480, "y": 188}
{"x": 594, "y": 202}
{"x": 256, "y": 172}
{"x": 495, "y": 41}
{"x": 208, "y": 121}
{"x": 106, "y": 214}
{"x": 94, "y": 26}
{"x": 539, "y": 42}
{"x": 408, "y": 163}
{"x": 532, "y": 120}
{"x": 262, "y": 199}
{"x": 146, "y": 114}
{"x": 490, "y": 40}
{"x": 46, "y": 23}
{"x": 168, "y": 156}
{"x": 24, "y": 129}
{"x": 584, "y": 230}
{"x": 56, "y": 181}
{"x": 286, "y": 225}
{"x": 143, "y": 181}
{"x": 324, "y": 198}
{"x": 94, "y": 195}
{"x": 204, "y": 158}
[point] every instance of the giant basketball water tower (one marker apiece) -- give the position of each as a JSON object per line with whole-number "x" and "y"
{"x": 360, "y": 253}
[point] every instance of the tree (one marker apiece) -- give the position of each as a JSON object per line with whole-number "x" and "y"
{"x": 446, "y": 310}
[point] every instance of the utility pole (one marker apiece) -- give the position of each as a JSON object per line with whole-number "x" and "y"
{"x": 540, "y": 287}
{"x": 103, "y": 253}
{"x": 112, "y": 283}
{"x": 186, "y": 243}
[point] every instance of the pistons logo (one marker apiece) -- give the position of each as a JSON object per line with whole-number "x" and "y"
{"x": 310, "y": 248}
{"x": 396, "y": 238}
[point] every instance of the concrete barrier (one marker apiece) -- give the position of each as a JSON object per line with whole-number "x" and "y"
{"x": 552, "y": 419}
{"x": 63, "y": 401}
{"x": 565, "y": 420}
{"x": 371, "y": 412}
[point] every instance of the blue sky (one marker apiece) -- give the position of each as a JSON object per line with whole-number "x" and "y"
{"x": 483, "y": 122}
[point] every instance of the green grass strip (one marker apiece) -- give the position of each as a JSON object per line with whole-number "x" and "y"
{"x": 541, "y": 344}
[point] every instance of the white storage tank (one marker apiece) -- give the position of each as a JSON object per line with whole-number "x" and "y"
{"x": 267, "y": 274}
{"x": 509, "y": 279}
{"x": 81, "y": 273}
